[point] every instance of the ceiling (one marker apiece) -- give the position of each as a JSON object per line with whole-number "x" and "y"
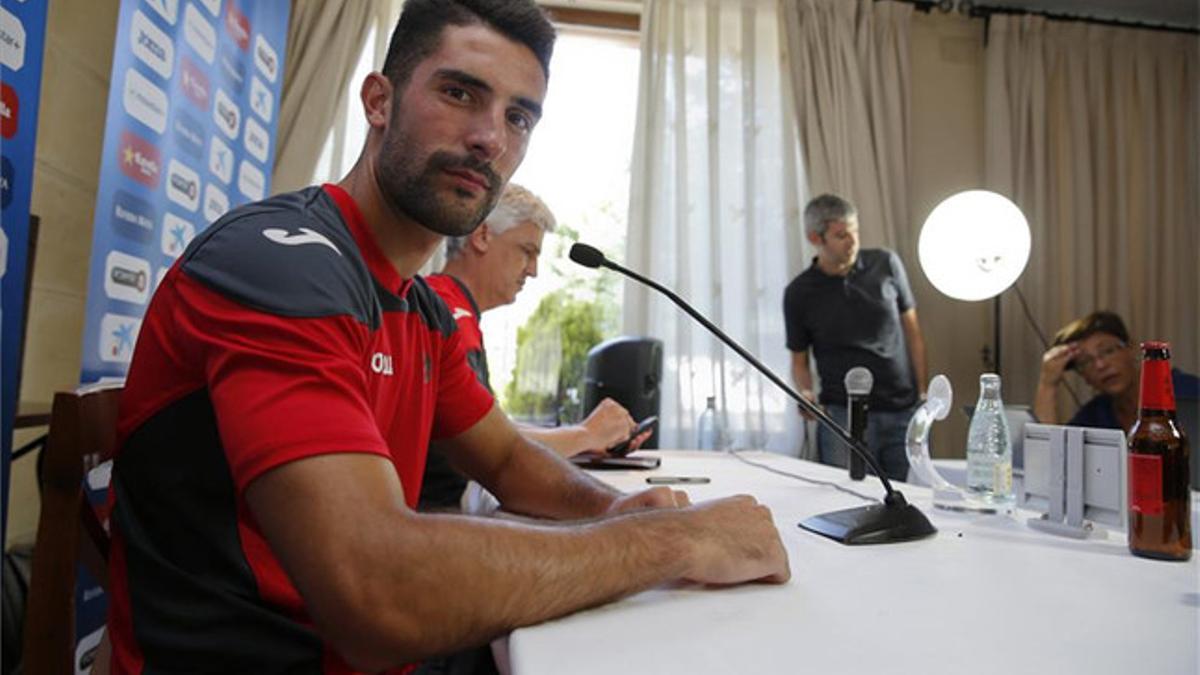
{"x": 1177, "y": 13}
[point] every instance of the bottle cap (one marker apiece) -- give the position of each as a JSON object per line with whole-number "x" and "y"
{"x": 1154, "y": 345}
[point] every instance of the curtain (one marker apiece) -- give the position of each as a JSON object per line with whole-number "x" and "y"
{"x": 1093, "y": 131}
{"x": 851, "y": 81}
{"x": 714, "y": 202}
{"x": 325, "y": 40}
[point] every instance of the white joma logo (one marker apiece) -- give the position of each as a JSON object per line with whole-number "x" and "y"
{"x": 460, "y": 313}
{"x": 306, "y": 236}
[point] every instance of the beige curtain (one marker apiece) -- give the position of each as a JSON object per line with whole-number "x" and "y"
{"x": 324, "y": 43}
{"x": 850, "y": 75}
{"x": 1093, "y": 132}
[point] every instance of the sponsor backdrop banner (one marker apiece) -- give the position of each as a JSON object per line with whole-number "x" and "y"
{"x": 22, "y": 38}
{"x": 192, "y": 111}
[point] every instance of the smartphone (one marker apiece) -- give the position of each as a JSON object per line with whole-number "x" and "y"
{"x": 621, "y": 449}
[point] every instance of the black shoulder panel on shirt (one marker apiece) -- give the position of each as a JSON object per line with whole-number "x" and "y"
{"x": 291, "y": 255}
{"x": 431, "y": 307}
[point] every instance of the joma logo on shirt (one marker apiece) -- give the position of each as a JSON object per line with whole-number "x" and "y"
{"x": 381, "y": 363}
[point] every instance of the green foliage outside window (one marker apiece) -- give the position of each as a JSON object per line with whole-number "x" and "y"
{"x": 552, "y": 346}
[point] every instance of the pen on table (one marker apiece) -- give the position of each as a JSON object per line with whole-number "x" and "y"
{"x": 676, "y": 480}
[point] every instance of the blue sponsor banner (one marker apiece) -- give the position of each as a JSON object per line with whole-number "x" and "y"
{"x": 193, "y": 106}
{"x": 22, "y": 41}
{"x": 192, "y": 113}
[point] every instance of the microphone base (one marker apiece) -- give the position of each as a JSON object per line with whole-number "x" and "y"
{"x": 875, "y": 524}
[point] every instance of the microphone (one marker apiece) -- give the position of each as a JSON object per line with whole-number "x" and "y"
{"x": 894, "y": 520}
{"x": 858, "y": 383}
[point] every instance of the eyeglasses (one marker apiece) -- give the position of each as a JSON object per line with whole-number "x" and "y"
{"x": 1087, "y": 362}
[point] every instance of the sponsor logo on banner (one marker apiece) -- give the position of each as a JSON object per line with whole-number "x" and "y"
{"x": 238, "y": 26}
{"x": 234, "y": 69}
{"x": 194, "y": 83}
{"x": 140, "y": 159}
{"x": 265, "y": 58}
{"x": 6, "y": 182}
{"x": 189, "y": 134}
{"x": 133, "y": 216}
{"x": 220, "y": 160}
{"x": 12, "y": 40}
{"x": 251, "y": 181}
{"x": 183, "y": 185}
{"x": 167, "y": 9}
{"x": 144, "y": 101}
{"x": 118, "y": 335}
{"x": 258, "y": 140}
{"x": 126, "y": 278}
{"x": 151, "y": 45}
{"x": 199, "y": 33}
{"x": 215, "y": 203}
{"x": 262, "y": 101}
{"x": 177, "y": 233}
{"x": 213, "y": 6}
{"x": 227, "y": 115}
{"x": 10, "y": 109}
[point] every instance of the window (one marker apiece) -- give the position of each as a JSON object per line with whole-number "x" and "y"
{"x": 578, "y": 163}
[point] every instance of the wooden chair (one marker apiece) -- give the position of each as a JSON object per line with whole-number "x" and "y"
{"x": 82, "y": 434}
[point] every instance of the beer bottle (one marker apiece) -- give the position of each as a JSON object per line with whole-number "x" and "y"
{"x": 1159, "y": 500}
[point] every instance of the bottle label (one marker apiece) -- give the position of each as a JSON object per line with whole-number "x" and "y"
{"x": 1145, "y": 484}
{"x": 1158, "y": 393}
{"x": 1002, "y": 479}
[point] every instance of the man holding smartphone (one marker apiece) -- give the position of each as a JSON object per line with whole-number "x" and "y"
{"x": 486, "y": 269}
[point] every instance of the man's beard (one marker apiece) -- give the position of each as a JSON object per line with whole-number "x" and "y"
{"x": 413, "y": 191}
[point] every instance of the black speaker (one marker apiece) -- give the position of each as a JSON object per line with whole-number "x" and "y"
{"x": 628, "y": 370}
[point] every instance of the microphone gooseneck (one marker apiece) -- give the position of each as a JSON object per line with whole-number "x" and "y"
{"x": 589, "y": 256}
{"x": 893, "y": 521}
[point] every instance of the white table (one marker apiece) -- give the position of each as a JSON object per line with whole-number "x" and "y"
{"x": 985, "y": 595}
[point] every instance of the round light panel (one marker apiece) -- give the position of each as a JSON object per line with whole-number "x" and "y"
{"x": 974, "y": 245}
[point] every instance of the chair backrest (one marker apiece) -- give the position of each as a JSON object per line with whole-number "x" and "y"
{"x": 83, "y": 426}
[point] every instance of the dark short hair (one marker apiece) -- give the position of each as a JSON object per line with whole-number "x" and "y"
{"x": 419, "y": 30}
{"x": 1102, "y": 321}
{"x": 825, "y": 210}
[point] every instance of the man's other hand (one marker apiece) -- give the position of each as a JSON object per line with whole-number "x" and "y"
{"x": 607, "y": 425}
{"x": 735, "y": 540}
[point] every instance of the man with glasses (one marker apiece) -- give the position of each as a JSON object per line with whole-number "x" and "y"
{"x": 1098, "y": 347}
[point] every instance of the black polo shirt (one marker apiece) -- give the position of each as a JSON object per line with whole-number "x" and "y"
{"x": 855, "y": 321}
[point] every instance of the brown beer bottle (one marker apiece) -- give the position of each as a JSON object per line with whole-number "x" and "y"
{"x": 1159, "y": 500}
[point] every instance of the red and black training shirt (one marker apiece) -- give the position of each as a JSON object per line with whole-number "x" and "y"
{"x": 282, "y": 333}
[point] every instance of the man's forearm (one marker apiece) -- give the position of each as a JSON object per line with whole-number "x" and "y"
{"x": 388, "y": 586}
{"x": 437, "y": 584}
{"x": 1045, "y": 403}
{"x": 564, "y": 441}
{"x": 536, "y": 481}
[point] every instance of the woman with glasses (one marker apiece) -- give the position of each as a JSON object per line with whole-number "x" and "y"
{"x": 1097, "y": 347}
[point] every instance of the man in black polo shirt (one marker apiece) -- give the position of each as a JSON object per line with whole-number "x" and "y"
{"x": 855, "y": 308}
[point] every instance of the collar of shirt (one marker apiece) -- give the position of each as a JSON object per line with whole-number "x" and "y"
{"x": 377, "y": 262}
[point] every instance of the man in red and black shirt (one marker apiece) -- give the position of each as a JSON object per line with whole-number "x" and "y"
{"x": 291, "y": 370}
{"x": 487, "y": 269}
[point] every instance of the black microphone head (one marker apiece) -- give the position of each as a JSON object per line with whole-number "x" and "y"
{"x": 585, "y": 255}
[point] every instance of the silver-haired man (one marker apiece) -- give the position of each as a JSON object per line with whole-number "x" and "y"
{"x": 487, "y": 269}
